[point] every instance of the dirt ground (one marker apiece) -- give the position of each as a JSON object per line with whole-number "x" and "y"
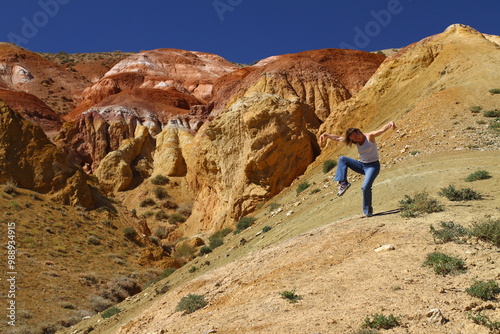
{"x": 333, "y": 266}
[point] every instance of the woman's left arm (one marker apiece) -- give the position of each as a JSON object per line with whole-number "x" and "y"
{"x": 371, "y": 135}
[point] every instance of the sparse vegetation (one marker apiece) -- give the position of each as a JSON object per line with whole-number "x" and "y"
{"x": 129, "y": 233}
{"x": 419, "y": 204}
{"x": 191, "y": 303}
{"x": 380, "y": 321}
{"x": 160, "y": 193}
{"x": 266, "y": 229}
{"x": 160, "y": 180}
{"x": 328, "y": 165}
{"x": 244, "y": 223}
{"x": 478, "y": 175}
{"x": 176, "y": 218}
{"x": 487, "y": 230}
{"x": 449, "y": 232}
{"x": 491, "y": 113}
{"x": 147, "y": 202}
{"x": 274, "y": 206}
{"x": 464, "y": 194}
{"x": 110, "y": 312}
{"x": 291, "y": 296}
{"x": 161, "y": 232}
{"x": 167, "y": 272}
{"x": 485, "y": 290}
{"x": 484, "y": 320}
{"x": 443, "y": 264}
{"x": 495, "y": 91}
{"x": 476, "y": 109}
{"x": 302, "y": 186}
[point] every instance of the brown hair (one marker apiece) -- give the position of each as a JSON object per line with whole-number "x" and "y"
{"x": 348, "y": 140}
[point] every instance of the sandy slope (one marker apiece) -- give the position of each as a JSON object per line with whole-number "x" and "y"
{"x": 243, "y": 282}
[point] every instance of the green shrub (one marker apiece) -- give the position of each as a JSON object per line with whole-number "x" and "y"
{"x": 191, "y": 303}
{"x": 274, "y": 206}
{"x": 215, "y": 242}
{"x": 478, "y": 175}
{"x": 129, "y": 233}
{"x": 161, "y": 232}
{"x": 464, "y": 194}
{"x": 491, "y": 113}
{"x": 161, "y": 215}
{"x": 487, "y": 230}
{"x": 160, "y": 193}
{"x": 485, "y": 290}
{"x": 291, "y": 296}
{"x": 328, "y": 165}
{"x": 110, "y": 312}
{"x": 419, "y": 204}
{"x": 147, "y": 202}
{"x": 167, "y": 272}
{"x": 444, "y": 264}
{"x": 266, "y": 229}
{"x": 176, "y": 218}
{"x": 476, "y": 109}
{"x": 495, "y": 91}
{"x": 302, "y": 186}
{"x": 184, "y": 250}
{"x": 495, "y": 126}
{"x": 484, "y": 320}
{"x": 160, "y": 180}
{"x": 449, "y": 232}
{"x": 381, "y": 321}
{"x": 244, "y": 223}
{"x": 205, "y": 250}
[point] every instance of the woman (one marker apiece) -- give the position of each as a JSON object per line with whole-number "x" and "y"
{"x": 368, "y": 164}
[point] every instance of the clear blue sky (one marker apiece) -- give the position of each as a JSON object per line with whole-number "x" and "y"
{"x": 242, "y": 31}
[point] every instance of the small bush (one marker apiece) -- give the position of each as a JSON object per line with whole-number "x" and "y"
{"x": 110, "y": 312}
{"x": 167, "y": 272}
{"x": 184, "y": 250}
{"x": 147, "y": 202}
{"x": 487, "y": 230}
{"x": 215, "y": 242}
{"x": 129, "y": 233}
{"x": 244, "y": 223}
{"x": 160, "y": 193}
{"x": 99, "y": 303}
{"x": 291, "y": 296}
{"x": 274, "y": 206}
{"x": 176, "y": 218}
{"x": 449, "y": 232}
{"x": 491, "y": 113}
{"x": 419, "y": 204}
{"x": 495, "y": 91}
{"x": 381, "y": 321}
{"x": 266, "y": 229}
{"x": 476, "y": 109}
{"x": 161, "y": 215}
{"x": 464, "y": 194}
{"x": 205, "y": 250}
{"x": 160, "y": 180}
{"x": 328, "y": 165}
{"x": 443, "y": 264}
{"x": 478, "y": 175}
{"x": 302, "y": 186}
{"x": 484, "y": 320}
{"x": 161, "y": 232}
{"x": 191, "y": 303}
{"x": 485, "y": 290}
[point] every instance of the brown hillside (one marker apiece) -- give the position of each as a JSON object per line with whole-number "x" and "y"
{"x": 318, "y": 245}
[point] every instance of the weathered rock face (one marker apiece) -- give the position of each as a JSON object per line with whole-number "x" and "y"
{"x": 321, "y": 79}
{"x": 188, "y": 72}
{"x": 30, "y": 160}
{"x": 169, "y": 157}
{"x": 23, "y": 70}
{"x": 33, "y": 109}
{"x": 424, "y": 77}
{"x": 245, "y": 155}
{"x": 115, "y": 172}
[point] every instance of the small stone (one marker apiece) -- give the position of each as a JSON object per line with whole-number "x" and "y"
{"x": 435, "y": 316}
{"x": 385, "y": 248}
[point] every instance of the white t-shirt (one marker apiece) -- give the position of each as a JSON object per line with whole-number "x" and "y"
{"x": 368, "y": 152}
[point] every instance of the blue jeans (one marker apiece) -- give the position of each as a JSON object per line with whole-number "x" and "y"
{"x": 369, "y": 170}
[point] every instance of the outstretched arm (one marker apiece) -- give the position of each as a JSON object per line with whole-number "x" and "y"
{"x": 326, "y": 136}
{"x": 371, "y": 135}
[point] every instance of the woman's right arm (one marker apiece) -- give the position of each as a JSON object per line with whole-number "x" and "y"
{"x": 326, "y": 136}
